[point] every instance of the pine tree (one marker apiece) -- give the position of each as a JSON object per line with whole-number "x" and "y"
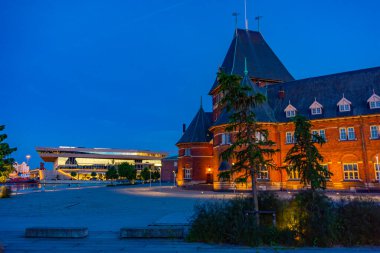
{"x": 304, "y": 156}
{"x": 6, "y": 162}
{"x": 251, "y": 148}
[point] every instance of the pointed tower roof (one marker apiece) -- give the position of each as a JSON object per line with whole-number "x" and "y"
{"x": 198, "y": 128}
{"x": 263, "y": 112}
{"x": 262, "y": 61}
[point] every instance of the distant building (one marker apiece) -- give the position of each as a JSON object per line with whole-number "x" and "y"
{"x": 169, "y": 168}
{"x": 344, "y": 109}
{"x": 21, "y": 170}
{"x": 84, "y": 161}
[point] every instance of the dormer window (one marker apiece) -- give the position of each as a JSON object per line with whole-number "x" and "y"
{"x": 316, "y": 108}
{"x": 344, "y": 105}
{"x": 290, "y": 111}
{"x": 374, "y": 101}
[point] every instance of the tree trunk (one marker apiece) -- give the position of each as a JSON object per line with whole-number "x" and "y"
{"x": 255, "y": 198}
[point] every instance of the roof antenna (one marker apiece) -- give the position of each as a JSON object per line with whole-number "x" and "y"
{"x": 245, "y": 15}
{"x": 235, "y": 14}
{"x": 258, "y": 22}
{"x": 245, "y": 66}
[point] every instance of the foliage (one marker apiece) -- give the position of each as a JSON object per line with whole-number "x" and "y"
{"x": 359, "y": 222}
{"x": 227, "y": 222}
{"x": 224, "y": 176}
{"x": 156, "y": 175}
{"x": 145, "y": 174}
{"x": 251, "y": 149}
{"x": 312, "y": 217}
{"x": 5, "y": 192}
{"x": 6, "y": 161}
{"x": 127, "y": 171}
{"x": 93, "y": 174}
{"x": 112, "y": 173}
{"x": 304, "y": 156}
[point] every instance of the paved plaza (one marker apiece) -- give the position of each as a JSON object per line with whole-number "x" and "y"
{"x": 104, "y": 210}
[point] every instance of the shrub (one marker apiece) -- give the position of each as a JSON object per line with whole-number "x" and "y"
{"x": 311, "y": 216}
{"x": 359, "y": 222}
{"x": 5, "y": 192}
{"x": 227, "y": 222}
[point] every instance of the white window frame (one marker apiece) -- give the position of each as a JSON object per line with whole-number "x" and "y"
{"x": 342, "y": 134}
{"x": 316, "y": 111}
{"x": 351, "y": 134}
{"x": 374, "y": 132}
{"x": 350, "y": 171}
{"x": 290, "y": 114}
{"x": 320, "y": 132}
{"x": 374, "y": 104}
{"x": 289, "y": 137}
{"x": 226, "y": 139}
{"x": 344, "y": 108}
{"x": 187, "y": 173}
{"x": 187, "y": 152}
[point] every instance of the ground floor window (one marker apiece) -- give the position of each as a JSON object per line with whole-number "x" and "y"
{"x": 187, "y": 173}
{"x": 263, "y": 174}
{"x": 350, "y": 171}
{"x": 293, "y": 175}
{"x": 377, "y": 171}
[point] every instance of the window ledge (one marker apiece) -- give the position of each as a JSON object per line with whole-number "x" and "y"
{"x": 348, "y": 140}
{"x": 352, "y": 180}
{"x": 374, "y": 139}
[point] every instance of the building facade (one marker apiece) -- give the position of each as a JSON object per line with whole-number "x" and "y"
{"x": 344, "y": 109}
{"x": 169, "y": 169}
{"x": 84, "y": 161}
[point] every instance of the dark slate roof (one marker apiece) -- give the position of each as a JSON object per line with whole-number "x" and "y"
{"x": 263, "y": 112}
{"x": 198, "y": 128}
{"x": 357, "y": 86}
{"x": 262, "y": 61}
{"x": 224, "y": 165}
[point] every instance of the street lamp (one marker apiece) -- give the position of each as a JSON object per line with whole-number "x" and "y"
{"x": 174, "y": 178}
{"x": 377, "y": 168}
{"x": 150, "y": 177}
{"x": 27, "y": 159}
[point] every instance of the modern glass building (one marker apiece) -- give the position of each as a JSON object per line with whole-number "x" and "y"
{"x": 85, "y": 161}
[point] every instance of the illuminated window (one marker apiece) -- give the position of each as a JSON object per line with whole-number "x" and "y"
{"x": 226, "y": 139}
{"x": 350, "y": 171}
{"x": 263, "y": 173}
{"x": 293, "y": 175}
{"x": 377, "y": 171}
{"x": 187, "y": 173}
{"x": 289, "y": 137}
{"x": 374, "y": 132}
{"x": 187, "y": 152}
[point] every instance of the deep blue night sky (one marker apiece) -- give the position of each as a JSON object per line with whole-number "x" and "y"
{"x": 127, "y": 74}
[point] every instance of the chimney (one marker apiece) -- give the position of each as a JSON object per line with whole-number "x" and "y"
{"x": 281, "y": 93}
{"x": 183, "y": 128}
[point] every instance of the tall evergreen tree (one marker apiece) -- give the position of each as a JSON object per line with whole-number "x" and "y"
{"x": 304, "y": 156}
{"x": 6, "y": 161}
{"x": 251, "y": 148}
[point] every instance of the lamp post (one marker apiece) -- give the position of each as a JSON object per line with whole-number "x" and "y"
{"x": 150, "y": 177}
{"x": 377, "y": 168}
{"x": 27, "y": 159}
{"x": 160, "y": 176}
{"x": 174, "y": 178}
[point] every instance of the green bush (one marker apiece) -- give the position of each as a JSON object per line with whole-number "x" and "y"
{"x": 359, "y": 222}
{"x": 312, "y": 217}
{"x": 5, "y": 192}
{"x": 227, "y": 222}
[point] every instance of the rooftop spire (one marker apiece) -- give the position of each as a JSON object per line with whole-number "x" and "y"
{"x": 245, "y": 15}
{"x": 245, "y": 66}
{"x": 235, "y": 14}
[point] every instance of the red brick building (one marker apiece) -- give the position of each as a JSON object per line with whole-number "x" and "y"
{"x": 169, "y": 168}
{"x": 344, "y": 108}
